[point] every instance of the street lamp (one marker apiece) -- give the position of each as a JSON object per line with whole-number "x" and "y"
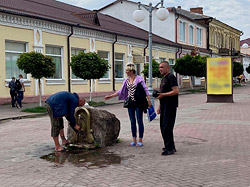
{"x": 162, "y": 14}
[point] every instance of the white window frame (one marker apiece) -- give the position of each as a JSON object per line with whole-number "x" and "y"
{"x": 141, "y": 67}
{"x": 124, "y": 71}
{"x": 172, "y": 64}
{"x": 80, "y": 49}
{"x": 189, "y": 34}
{"x": 162, "y": 59}
{"x": 17, "y": 52}
{"x": 56, "y": 80}
{"x": 78, "y": 80}
{"x": 182, "y": 36}
{"x": 200, "y": 42}
{"x": 108, "y": 59}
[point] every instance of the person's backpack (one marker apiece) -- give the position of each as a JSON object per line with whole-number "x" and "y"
{"x": 18, "y": 85}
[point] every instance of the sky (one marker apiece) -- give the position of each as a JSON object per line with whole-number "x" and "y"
{"x": 235, "y": 13}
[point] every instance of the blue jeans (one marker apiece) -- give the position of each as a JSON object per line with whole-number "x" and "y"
{"x": 139, "y": 113}
{"x": 20, "y": 98}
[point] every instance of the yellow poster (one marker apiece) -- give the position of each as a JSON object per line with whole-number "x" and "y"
{"x": 219, "y": 76}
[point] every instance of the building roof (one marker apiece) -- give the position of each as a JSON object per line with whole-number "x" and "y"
{"x": 191, "y": 15}
{"x": 115, "y": 2}
{"x": 245, "y": 41}
{"x": 63, "y": 13}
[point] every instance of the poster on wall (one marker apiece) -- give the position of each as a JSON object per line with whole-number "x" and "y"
{"x": 219, "y": 76}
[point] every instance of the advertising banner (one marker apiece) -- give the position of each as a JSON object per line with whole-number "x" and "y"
{"x": 219, "y": 76}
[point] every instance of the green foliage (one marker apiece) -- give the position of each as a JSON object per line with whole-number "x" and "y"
{"x": 248, "y": 69}
{"x": 89, "y": 66}
{"x": 236, "y": 85}
{"x": 191, "y": 65}
{"x": 39, "y": 109}
{"x": 93, "y": 103}
{"x": 36, "y": 64}
{"x": 155, "y": 70}
{"x": 237, "y": 69}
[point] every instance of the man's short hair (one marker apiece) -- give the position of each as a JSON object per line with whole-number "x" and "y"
{"x": 166, "y": 62}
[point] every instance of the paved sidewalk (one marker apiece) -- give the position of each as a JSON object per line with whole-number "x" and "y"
{"x": 212, "y": 141}
{"x": 7, "y": 112}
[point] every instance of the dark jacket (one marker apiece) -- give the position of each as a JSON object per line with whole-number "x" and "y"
{"x": 12, "y": 86}
{"x": 140, "y": 98}
{"x": 64, "y": 104}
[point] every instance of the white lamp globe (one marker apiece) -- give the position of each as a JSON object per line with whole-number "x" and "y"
{"x": 138, "y": 15}
{"x": 162, "y": 13}
{"x": 245, "y": 46}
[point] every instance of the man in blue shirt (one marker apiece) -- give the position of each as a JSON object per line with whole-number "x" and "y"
{"x": 59, "y": 105}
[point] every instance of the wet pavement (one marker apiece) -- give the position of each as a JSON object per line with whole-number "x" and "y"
{"x": 212, "y": 142}
{"x": 84, "y": 158}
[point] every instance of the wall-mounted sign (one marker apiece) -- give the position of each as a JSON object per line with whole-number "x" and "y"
{"x": 138, "y": 59}
{"x": 219, "y": 76}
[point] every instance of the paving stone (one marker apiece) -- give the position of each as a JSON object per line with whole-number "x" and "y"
{"x": 212, "y": 141}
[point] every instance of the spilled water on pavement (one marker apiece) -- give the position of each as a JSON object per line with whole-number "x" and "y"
{"x": 84, "y": 158}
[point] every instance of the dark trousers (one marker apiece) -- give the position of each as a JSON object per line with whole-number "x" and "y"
{"x": 13, "y": 97}
{"x": 20, "y": 98}
{"x": 167, "y": 120}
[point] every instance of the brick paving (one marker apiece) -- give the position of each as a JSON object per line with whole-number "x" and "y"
{"x": 212, "y": 141}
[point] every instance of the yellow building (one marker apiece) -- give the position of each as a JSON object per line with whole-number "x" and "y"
{"x": 60, "y": 31}
{"x": 224, "y": 40}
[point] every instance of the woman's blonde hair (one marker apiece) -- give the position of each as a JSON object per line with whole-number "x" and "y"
{"x": 130, "y": 67}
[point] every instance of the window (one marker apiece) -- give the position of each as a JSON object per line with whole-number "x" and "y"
{"x": 56, "y": 54}
{"x": 162, "y": 59}
{"x": 171, "y": 64}
{"x": 199, "y": 36}
{"x": 191, "y": 34}
{"x": 76, "y": 51}
{"x": 105, "y": 56}
{"x": 138, "y": 68}
{"x": 119, "y": 65}
{"x": 182, "y": 30}
{"x": 12, "y": 52}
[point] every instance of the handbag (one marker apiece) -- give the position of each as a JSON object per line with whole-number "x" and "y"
{"x": 155, "y": 93}
{"x": 151, "y": 113}
{"x": 127, "y": 102}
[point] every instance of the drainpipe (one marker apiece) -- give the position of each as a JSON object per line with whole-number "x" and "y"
{"x": 68, "y": 49}
{"x": 179, "y": 49}
{"x": 208, "y": 34}
{"x": 113, "y": 62}
{"x": 176, "y": 18}
{"x": 144, "y": 50}
{"x": 180, "y": 52}
{"x": 208, "y": 37}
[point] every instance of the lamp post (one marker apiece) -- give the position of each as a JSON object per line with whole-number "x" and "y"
{"x": 162, "y": 14}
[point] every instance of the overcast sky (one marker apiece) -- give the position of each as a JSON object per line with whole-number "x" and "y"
{"x": 235, "y": 13}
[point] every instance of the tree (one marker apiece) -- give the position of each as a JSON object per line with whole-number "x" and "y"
{"x": 38, "y": 65}
{"x": 237, "y": 69}
{"x": 191, "y": 66}
{"x": 89, "y": 66}
{"x": 155, "y": 70}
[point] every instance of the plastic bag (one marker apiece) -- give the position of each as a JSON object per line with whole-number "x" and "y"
{"x": 151, "y": 113}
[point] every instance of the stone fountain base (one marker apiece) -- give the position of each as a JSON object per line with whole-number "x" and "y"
{"x": 99, "y": 128}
